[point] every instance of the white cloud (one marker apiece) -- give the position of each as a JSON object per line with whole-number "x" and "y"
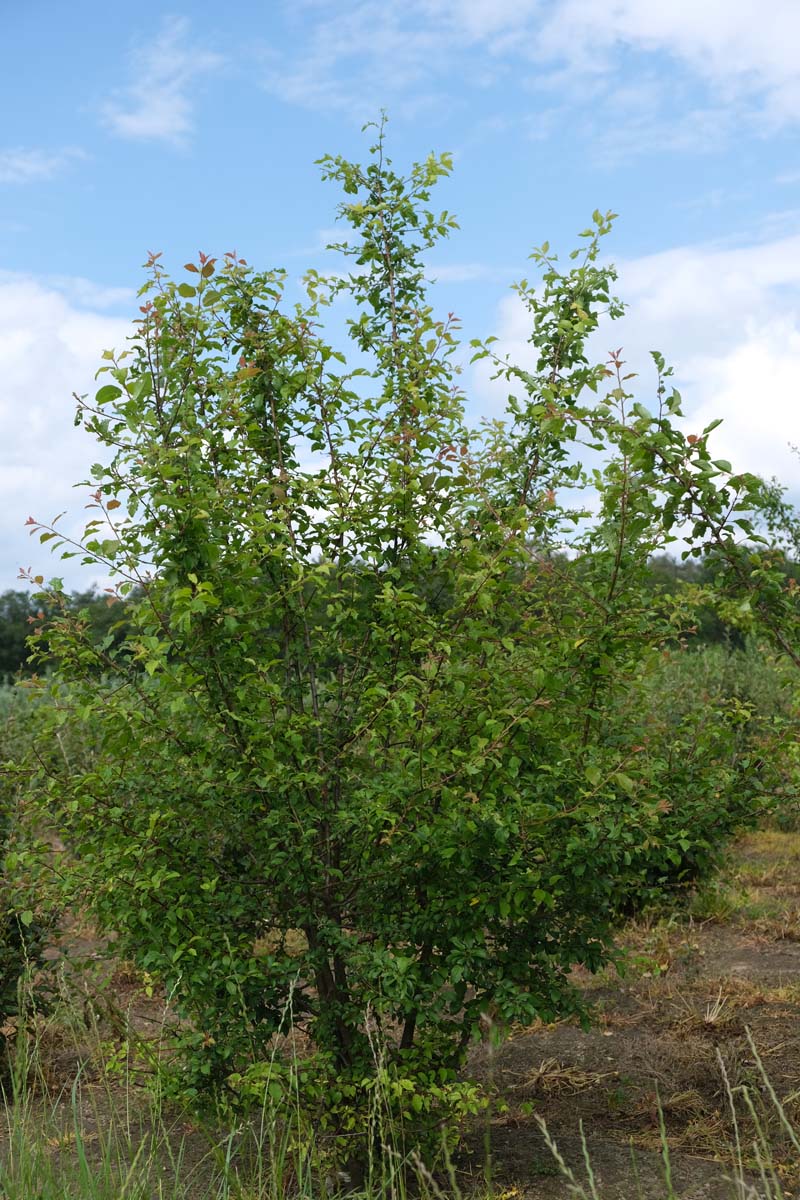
{"x": 357, "y": 58}
{"x": 157, "y": 105}
{"x": 20, "y": 165}
{"x": 755, "y": 386}
{"x": 362, "y": 55}
{"x": 740, "y": 47}
{"x": 729, "y": 319}
{"x": 679, "y": 77}
{"x": 50, "y": 347}
{"x": 84, "y": 293}
{"x": 88, "y": 294}
{"x": 601, "y": 65}
{"x": 729, "y": 322}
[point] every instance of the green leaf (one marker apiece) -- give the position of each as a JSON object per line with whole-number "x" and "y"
{"x": 107, "y": 394}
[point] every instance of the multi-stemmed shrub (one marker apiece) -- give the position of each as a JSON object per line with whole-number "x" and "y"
{"x": 363, "y": 764}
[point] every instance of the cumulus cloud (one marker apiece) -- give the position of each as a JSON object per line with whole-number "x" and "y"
{"x": 50, "y": 346}
{"x": 728, "y": 320}
{"x": 157, "y": 105}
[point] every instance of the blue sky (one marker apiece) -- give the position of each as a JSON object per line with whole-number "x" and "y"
{"x": 131, "y": 128}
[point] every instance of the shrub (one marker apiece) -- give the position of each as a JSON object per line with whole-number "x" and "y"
{"x": 360, "y": 763}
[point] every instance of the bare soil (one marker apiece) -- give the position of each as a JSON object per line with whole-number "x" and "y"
{"x": 663, "y": 1036}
